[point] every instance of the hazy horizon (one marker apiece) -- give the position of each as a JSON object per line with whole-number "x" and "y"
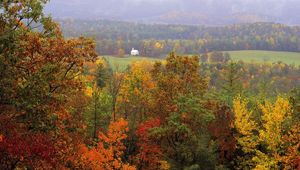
{"x": 206, "y": 12}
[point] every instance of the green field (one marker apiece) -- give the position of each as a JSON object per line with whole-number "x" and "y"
{"x": 122, "y": 63}
{"x": 266, "y": 56}
{"x": 246, "y": 56}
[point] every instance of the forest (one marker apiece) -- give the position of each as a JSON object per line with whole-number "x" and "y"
{"x": 63, "y": 106}
{"x": 117, "y": 38}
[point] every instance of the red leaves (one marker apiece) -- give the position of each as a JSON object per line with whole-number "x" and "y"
{"x": 28, "y": 147}
{"x": 142, "y": 131}
{"x": 149, "y": 153}
{"x": 221, "y": 130}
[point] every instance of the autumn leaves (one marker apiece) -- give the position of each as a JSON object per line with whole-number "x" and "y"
{"x": 265, "y": 138}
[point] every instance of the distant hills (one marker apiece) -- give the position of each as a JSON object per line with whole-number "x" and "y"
{"x": 190, "y": 12}
{"x": 190, "y": 18}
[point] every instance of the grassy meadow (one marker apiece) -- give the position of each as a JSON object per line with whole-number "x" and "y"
{"x": 248, "y": 56}
{"x": 266, "y": 56}
{"x": 121, "y": 63}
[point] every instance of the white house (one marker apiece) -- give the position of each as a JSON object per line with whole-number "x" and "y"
{"x": 134, "y": 52}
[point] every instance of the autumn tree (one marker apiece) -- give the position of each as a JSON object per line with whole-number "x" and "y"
{"x": 246, "y": 138}
{"x": 186, "y": 146}
{"x": 98, "y": 113}
{"x": 222, "y": 130}
{"x": 135, "y": 99}
{"x": 271, "y": 145}
{"x": 178, "y": 76}
{"x": 274, "y": 116}
{"x": 40, "y": 72}
{"x": 179, "y": 103}
{"x": 149, "y": 155}
{"x": 114, "y": 87}
{"x": 108, "y": 152}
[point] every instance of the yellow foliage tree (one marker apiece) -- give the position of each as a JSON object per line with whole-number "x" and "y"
{"x": 245, "y": 126}
{"x": 273, "y": 117}
{"x": 135, "y": 93}
{"x": 271, "y": 135}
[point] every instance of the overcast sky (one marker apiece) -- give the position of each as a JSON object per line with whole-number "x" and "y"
{"x": 137, "y": 9}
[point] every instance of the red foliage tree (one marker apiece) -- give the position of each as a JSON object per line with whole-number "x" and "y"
{"x": 222, "y": 131}
{"x": 149, "y": 152}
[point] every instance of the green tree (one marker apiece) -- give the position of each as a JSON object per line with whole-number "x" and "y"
{"x": 231, "y": 81}
{"x": 99, "y": 113}
{"x": 104, "y": 73}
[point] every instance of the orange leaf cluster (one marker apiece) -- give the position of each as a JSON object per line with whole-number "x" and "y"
{"x": 110, "y": 148}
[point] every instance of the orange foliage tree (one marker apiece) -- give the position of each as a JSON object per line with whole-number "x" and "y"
{"x": 109, "y": 150}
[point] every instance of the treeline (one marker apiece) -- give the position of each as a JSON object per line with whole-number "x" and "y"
{"x": 267, "y": 79}
{"x": 117, "y": 38}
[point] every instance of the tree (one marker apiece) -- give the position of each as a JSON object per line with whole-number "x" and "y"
{"x": 271, "y": 145}
{"x": 218, "y": 57}
{"x": 185, "y": 145}
{"x": 179, "y": 76}
{"x": 291, "y": 157}
{"x": 179, "y": 104}
{"x": 104, "y": 73}
{"x": 246, "y": 138}
{"x": 231, "y": 84}
{"x": 121, "y": 53}
{"x": 222, "y": 130}
{"x": 274, "y": 116}
{"x": 135, "y": 93}
{"x": 40, "y": 75}
{"x": 98, "y": 113}
{"x": 114, "y": 87}
{"x": 150, "y": 154}
{"x": 109, "y": 150}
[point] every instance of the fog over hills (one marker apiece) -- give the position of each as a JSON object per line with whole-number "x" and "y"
{"x": 196, "y": 12}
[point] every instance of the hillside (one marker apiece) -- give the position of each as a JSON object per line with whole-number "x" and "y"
{"x": 156, "y": 40}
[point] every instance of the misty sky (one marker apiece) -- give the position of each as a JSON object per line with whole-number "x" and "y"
{"x": 144, "y": 9}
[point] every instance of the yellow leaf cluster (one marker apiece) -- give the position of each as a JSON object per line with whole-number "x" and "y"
{"x": 273, "y": 117}
{"x": 159, "y": 45}
{"x": 245, "y": 125}
{"x": 264, "y": 162}
{"x": 270, "y": 134}
{"x": 138, "y": 83}
{"x": 164, "y": 165}
{"x": 89, "y": 91}
{"x": 100, "y": 61}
